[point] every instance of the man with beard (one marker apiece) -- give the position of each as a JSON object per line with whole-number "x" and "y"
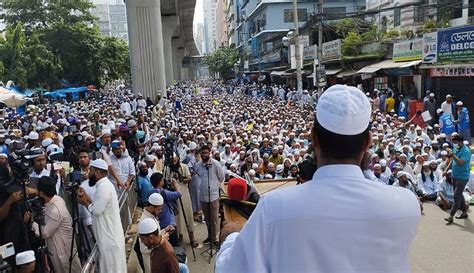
{"x": 445, "y": 198}
{"x": 212, "y": 175}
{"x": 123, "y": 166}
{"x": 181, "y": 173}
{"x": 57, "y": 228}
{"x": 105, "y": 219}
{"x": 143, "y": 184}
{"x": 430, "y": 106}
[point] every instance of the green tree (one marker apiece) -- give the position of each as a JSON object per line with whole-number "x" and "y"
{"x": 352, "y": 44}
{"x": 12, "y": 54}
{"x": 222, "y": 61}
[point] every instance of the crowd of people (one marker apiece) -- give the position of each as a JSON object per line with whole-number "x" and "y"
{"x": 177, "y": 151}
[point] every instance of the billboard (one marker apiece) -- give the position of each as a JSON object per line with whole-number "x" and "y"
{"x": 456, "y": 44}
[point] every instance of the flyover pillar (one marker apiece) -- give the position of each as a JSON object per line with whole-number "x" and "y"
{"x": 147, "y": 59}
{"x": 169, "y": 25}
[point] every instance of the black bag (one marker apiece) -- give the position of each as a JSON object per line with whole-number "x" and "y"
{"x": 180, "y": 253}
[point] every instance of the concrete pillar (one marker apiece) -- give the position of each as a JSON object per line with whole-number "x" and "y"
{"x": 175, "y": 44}
{"x": 179, "y": 63}
{"x": 185, "y": 73}
{"x": 146, "y": 47}
{"x": 169, "y": 25}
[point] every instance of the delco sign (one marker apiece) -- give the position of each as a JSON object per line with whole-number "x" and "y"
{"x": 456, "y": 44}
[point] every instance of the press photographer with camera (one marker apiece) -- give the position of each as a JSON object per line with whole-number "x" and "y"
{"x": 180, "y": 172}
{"x": 56, "y": 229}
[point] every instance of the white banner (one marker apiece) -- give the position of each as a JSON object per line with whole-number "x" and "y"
{"x": 430, "y": 43}
{"x": 332, "y": 50}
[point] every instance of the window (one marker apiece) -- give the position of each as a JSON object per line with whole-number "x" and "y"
{"x": 471, "y": 8}
{"x": 288, "y": 15}
{"x": 335, "y": 12}
{"x": 396, "y": 17}
{"x": 449, "y": 9}
{"x": 422, "y": 12}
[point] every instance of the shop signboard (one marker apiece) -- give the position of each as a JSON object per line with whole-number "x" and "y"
{"x": 309, "y": 52}
{"x": 456, "y": 44}
{"x": 271, "y": 57}
{"x": 452, "y": 71}
{"x": 408, "y": 50}
{"x": 332, "y": 50}
{"x": 430, "y": 44}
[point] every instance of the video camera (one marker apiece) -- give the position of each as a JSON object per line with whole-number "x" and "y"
{"x": 21, "y": 163}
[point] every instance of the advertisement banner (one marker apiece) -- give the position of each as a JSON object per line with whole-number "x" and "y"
{"x": 332, "y": 50}
{"x": 452, "y": 72}
{"x": 430, "y": 52}
{"x": 309, "y": 52}
{"x": 408, "y": 50}
{"x": 456, "y": 44}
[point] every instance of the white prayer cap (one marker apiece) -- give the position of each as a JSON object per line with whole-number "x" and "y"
{"x": 377, "y": 166}
{"x": 252, "y": 172}
{"x": 439, "y": 110}
{"x": 100, "y": 164}
{"x": 52, "y": 147}
{"x": 147, "y": 226}
{"x": 46, "y": 142}
{"x": 383, "y": 162}
{"x": 192, "y": 146}
{"x": 25, "y": 257}
{"x": 131, "y": 123}
{"x": 33, "y": 135}
{"x": 149, "y": 158}
{"x": 343, "y": 110}
{"x": 443, "y": 153}
{"x": 442, "y": 135}
{"x": 105, "y": 131}
{"x": 400, "y": 174}
{"x": 4, "y": 155}
{"x": 279, "y": 168}
{"x": 155, "y": 199}
{"x": 459, "y": 103}
{"x": 448, "y": 96}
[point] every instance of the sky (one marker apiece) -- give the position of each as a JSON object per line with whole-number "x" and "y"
{"x": 198, "y": 13}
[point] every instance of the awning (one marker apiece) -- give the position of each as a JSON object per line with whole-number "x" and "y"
{"x": 277, "y": 73}
{"x": 346, "y": 73}
{"x": 387, "y": 64}
{"x": 332, "y": 71}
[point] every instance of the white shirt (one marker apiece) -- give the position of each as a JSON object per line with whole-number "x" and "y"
{"x": 123, "y": 167}
{"x": 292, "y": 229}
{"x": 446, "y": 107}
{"x": 126, "y": 108}
{"x": 107, "y": 228}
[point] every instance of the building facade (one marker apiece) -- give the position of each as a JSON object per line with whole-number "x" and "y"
{"x": 221, "y": 24}
{"x": 112, "y": 18}
{"x": 210, "y": 25}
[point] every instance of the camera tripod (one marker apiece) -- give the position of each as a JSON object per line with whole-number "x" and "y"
{"x": 77, "y": 228}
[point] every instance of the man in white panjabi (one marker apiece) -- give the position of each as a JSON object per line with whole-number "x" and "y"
{"x": 369, "y": 227}
{"x": 106, "y": 222}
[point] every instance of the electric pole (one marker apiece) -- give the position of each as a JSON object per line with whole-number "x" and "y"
{"x": 299, "y": 81}
{"x": 320, "y": 42}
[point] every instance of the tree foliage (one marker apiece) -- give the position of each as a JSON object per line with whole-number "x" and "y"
{"x": 352, "y": 44}
{"x": 222, "y": 61}
{"x": 50, "y": 40}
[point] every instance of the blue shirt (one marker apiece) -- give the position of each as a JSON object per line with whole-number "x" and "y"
{"x": 463, "y": 119}
{"x": 462, "y": 171}
{"x": 447, "y": 124}
{"x": 144, "y": 189}
{"x": 166, "y": 216}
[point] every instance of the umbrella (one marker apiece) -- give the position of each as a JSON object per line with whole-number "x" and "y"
{"x": 12, "y": 100}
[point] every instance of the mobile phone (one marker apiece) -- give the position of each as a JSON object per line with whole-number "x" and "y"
{"x": 57, "y": 166}
{"x": 7, "y": 250}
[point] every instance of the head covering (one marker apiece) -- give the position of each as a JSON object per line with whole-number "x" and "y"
{"x": 147, "y": 226}
{"x": 131, "y": 123}
{"x": 100, "y": 164}
{"x": 400, "y": 174}
{"x": 343, "y": 110}
{"x": 25, "y": 257}
{"x": 459, "y": 103}
{"x": 279, "y": 168}
{"x": 383, "y": 162}
{"x": 155, "y": 199}
{"x": 192, "y": 146}
{"x": 4, "y": 155}
{"x": 33, "y": 135}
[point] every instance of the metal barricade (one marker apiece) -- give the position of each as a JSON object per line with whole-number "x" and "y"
{"x": 128, "y": 201}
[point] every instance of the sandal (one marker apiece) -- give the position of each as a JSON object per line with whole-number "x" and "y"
{"x": 194, "y": 243}
{"x": 449, "y": 220}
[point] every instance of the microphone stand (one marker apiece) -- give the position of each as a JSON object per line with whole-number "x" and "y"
{"x": 210, "y": 250}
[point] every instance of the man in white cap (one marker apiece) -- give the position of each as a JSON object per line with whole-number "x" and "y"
{"x": 448, "y": 106}
{"x": 162, "y": 257}
{"x": 105, "y": 219}
{"x": 26, "y": 261}
{"x": 151, "y": 211}
{"x": 340, "y": 139}
{"x": 33, "y": 140}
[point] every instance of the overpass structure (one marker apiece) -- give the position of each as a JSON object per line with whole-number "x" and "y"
{"x": 160, "y": 36}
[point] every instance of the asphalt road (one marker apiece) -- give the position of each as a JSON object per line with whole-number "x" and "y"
{"x": 437, "y": 248}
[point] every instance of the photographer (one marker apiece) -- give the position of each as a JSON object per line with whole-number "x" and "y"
{"x": 57, "y": 227}
{"x": 167, "y": 214}
{"x": 180, "y": 172}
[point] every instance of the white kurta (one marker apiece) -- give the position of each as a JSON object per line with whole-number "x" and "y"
{"x": 145, "y": 250}
{"x": 107, "y": 228}
{"x": 339, "y": 222}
